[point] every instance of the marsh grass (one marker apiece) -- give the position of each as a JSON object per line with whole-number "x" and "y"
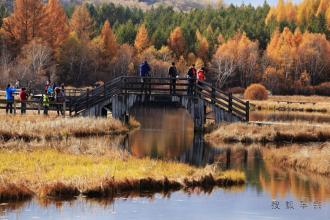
{"x": 315, "y": 159}
{"x": 322, "y": 104}
{"x": 298, "y": 132}
{"x": 28, "y": 128}
{"x": 50, "y": 173}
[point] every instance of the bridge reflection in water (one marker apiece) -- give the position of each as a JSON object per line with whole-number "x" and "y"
{"x": 167, "y": 133}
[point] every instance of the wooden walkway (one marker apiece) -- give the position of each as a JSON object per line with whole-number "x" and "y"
{"x": 120, "y": 94}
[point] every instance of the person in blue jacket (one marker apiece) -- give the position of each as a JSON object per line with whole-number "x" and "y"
{"x": 144, "y": 74}
{"x": 10, "y": 98}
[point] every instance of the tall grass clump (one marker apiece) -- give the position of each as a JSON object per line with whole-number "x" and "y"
{"x": 298, "y": 132}
{"x": 29, "y": 128}
{"x": 315, "y": 159}
{"x": 256, "y": 92}
{"x": 54, "y": 174}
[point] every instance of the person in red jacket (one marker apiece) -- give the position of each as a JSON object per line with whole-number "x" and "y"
{"x": 201, "y": 77}
{"x": 201, "y": 74}
{"x": 23, "y": 98}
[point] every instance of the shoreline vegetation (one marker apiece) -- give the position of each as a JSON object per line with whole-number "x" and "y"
{"x": 31, "y": 128}
{"x": 49, "y": 173}
{"x": 298, "y": 132}
{"x": 314, "y": 159}
{"x": 295, "y": 103}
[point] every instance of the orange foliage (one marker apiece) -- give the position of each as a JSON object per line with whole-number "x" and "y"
{"x": 256, "y": 92}
{"x": 301, "y": 13}
{"x": 26, "y": 22}
{"x": 108, "y": 40}
{"x": 202, "y": 46}
{"x": 57, "y": 24}
{"x": 82, "y": 23}
{"x": 142, "y": 39}
{"x": 177, "y": 42}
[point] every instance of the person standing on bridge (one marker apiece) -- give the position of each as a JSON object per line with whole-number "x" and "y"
{"x": 23, "y": 98}
{"x": 10, "y": 98}
{"x": 201, "y": 77}
{"x": 144, "y": 74}
{"x": 191, "y": 75}
{"x": 173, "y": 74}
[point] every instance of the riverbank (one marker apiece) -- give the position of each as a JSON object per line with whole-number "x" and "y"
{"x": 293, "y": 103}
{"x": 294, "y": 132}
{"x": 29, "y": 128}
{"x": 315, "y": 159}
{"x": 55, "y": 174}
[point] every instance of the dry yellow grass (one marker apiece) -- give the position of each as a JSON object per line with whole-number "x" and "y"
{"x": 298, "y": 132}
{"x": 36, "y": 127}
{"x": 315, "y": 159}
{"x": 322, "y": 103}
{"x": 49, "y": 172}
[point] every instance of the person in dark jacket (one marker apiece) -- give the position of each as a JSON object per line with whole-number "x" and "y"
{"x": 173, "y": 74}
{"x": 59, "y": 99}
{"x": 144, "y": 74}
{"x": 191, "y": 75}
{"x": 10, "y": 98}
{"x": 23, "y": 98}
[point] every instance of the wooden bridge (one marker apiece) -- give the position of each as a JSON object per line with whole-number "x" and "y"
{"x": 122, "y": 93}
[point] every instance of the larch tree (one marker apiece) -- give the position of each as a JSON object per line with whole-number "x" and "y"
{"x": 27, "y": 21}
{"x": 142, "y": 39}
{"x": 177, "y": 42}
{"x": 57, "y": 24}
{"x": 108, "y": 41}
{"x": 202, "y": 47}
{"x": 313, "y": 53}
{"x": 82, "y": 24}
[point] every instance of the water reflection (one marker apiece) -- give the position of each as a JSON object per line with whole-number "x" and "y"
{"x": 167, "y": 133}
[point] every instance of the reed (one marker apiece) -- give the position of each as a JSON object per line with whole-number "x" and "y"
{"x": 298, "y": 132}
{"x": 314, "y": 159}
{"x": 28, "y": 128}
{"x": 322, "y": 104}
{"x": 51, "y": 173}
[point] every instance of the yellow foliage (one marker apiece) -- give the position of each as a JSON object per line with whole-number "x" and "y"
{"x": 177, "y": 42}
{"x": 142, "y": 39}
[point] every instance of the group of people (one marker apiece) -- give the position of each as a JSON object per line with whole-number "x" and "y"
{"x": 56, "y": 93}
{"x": 52, "y": 92}
{"x": 193, "y": 75}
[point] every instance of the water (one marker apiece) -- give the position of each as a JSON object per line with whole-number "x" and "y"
{"x": 167, "y": 133}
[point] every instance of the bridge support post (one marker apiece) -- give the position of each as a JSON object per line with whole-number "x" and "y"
{"x": 199, "y": 114}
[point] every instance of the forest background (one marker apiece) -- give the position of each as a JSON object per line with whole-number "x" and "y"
{"x": 285, "y": 47}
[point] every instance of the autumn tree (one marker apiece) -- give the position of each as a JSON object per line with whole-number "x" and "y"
{"x": 57, "y": 28}
{"x": 108, "y": 41}
{"x": 177, "y": 42}
{"x": 202, "y": 47}
{"x": 74, "y": 61}
{"x": 81, "y": 23}
{"x": 313, "y": 56}
{"x": 238, "y": 55}
{"x": 27, "y": 21}
{"x": 142, "y": 39}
